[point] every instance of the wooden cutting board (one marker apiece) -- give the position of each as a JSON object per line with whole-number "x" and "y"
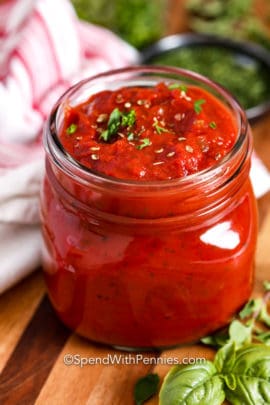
{"x": 33, "y": 342}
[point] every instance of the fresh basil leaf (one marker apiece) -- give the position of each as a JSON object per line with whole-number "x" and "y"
{"x": 250, "y": 308}
{"x": 230, "y": 381}
{"x": 196, "y": 384}
{"x": 240, "y": 333}
{"x": 217, "y": 340}
{"x": 251, "y": 370}
{"x": 264, "y": 316}
{"x": 224, "y": 358}
{"x": 145, "y": 388}
{"x": 266, "y": 285}
{"x": 264, "y": 337}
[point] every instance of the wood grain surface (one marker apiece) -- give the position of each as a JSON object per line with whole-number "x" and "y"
{"x": 33, "y": 342}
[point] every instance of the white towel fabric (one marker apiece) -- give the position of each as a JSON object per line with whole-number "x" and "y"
{"x": 41, "y": 55}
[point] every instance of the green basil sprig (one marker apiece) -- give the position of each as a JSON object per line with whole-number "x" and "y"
{"x": 145, "y": 388}
{"x": 245, "y": 329}
{"x": 241, "y": 376}
{"x": 240, "y": 372}
{"x": 196, "y": 384}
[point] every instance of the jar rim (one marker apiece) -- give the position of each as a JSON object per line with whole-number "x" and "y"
{"x": 84, "y": 174}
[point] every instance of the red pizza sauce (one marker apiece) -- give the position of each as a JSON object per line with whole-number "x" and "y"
{"x": 156, "y": 133}
{"x": 148, "y": 215}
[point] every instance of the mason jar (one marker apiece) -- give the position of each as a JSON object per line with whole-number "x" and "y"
{"x": 144, "y": 265}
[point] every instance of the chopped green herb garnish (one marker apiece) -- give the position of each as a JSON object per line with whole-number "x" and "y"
{"x": 179, "y": 86}
{"x": 105, "y": 135}
{"x": 145, "y": 142}
{"x": 128, "y": 118}
{"x": 130, "y": 136}
{"x": 72, "y": 129}
{"x": 198, "y": 105}
{"x": 159, "y": 128}
{"x": 118, "y": 119}
{"x": 113, "y": 125}
{"x": 213, "y": 125}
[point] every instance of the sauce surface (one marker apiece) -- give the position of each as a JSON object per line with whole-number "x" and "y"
{"x": 149, "y": 133}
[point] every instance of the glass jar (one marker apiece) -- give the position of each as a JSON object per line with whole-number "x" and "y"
{"x": 147, "y": 264}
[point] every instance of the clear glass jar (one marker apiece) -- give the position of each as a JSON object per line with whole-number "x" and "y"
{"x": 147, "y": 264}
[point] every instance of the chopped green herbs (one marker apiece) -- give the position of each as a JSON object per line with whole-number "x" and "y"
{"x": 159, "y": 128}
{"x": 128, "y": 118}
{"x": 145, "y": 142}
{"x": 117, "y": 119}
{"x": 72, "y": 129}
{"x": 130, "y": 136}
{"x": 113, "y": 125}
{"x": 179, "y": 86}
{"x": 198, "y": 105}
{"x": 212, "y": 125}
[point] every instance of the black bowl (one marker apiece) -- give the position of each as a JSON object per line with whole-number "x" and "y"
{"x": 246, "y": 53}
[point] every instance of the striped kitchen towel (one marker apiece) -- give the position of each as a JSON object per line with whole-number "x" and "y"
{"x": 44, "y": 49}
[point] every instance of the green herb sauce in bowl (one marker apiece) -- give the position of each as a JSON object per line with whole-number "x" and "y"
{"x": 241, "y": 67}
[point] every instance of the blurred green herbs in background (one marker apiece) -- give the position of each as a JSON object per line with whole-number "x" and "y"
{"x": 139, "y": 22}
{"x": 244, "y": 77}
{"x": 228, "y": 17}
